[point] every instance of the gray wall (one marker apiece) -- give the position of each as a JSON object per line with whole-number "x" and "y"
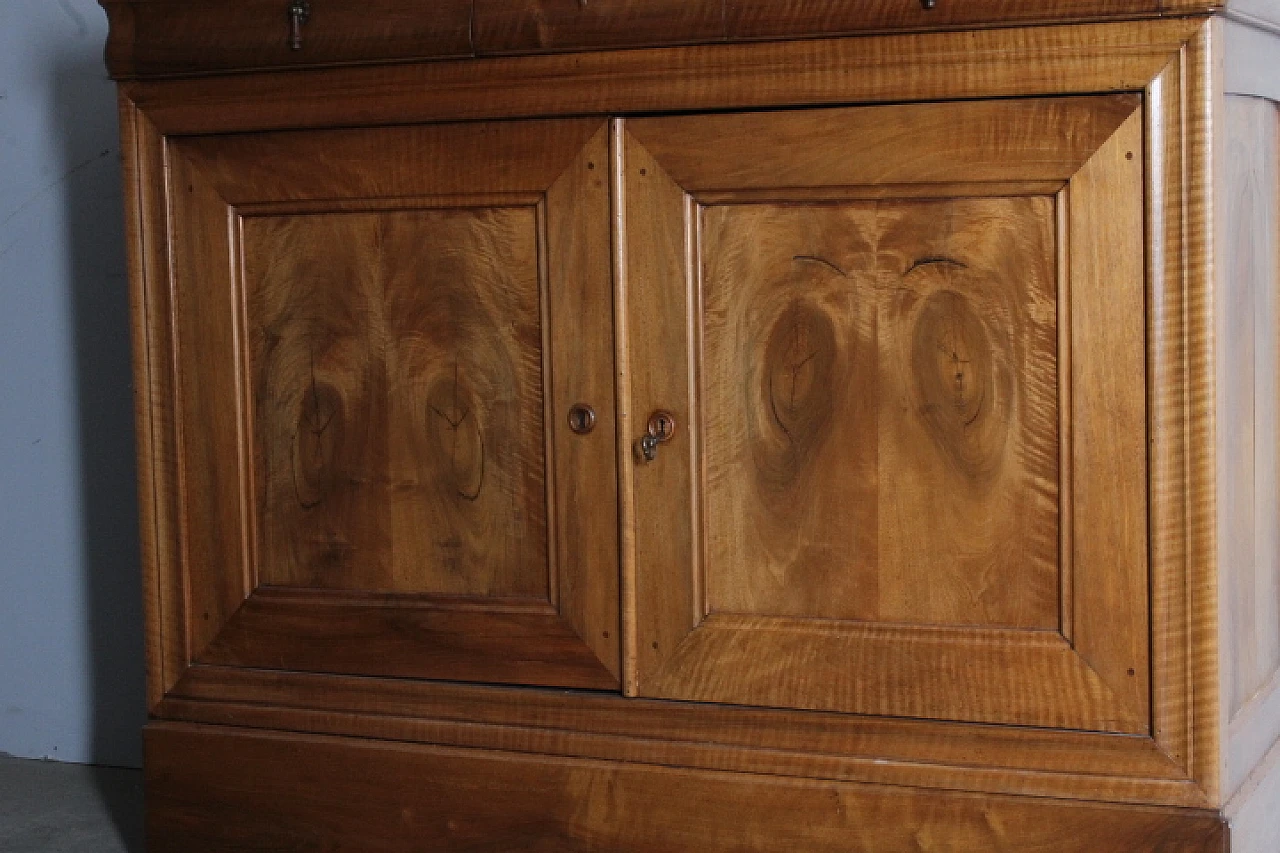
{"x": 71, "y": 676}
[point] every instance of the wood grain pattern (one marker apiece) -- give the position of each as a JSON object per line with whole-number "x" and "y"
{"x": 396, "y": 363}
{"x": 1109, "y": 417}
{"x": 788, "y": 380}
{"x": 207, "y": 36}
{"x": 466, "y": 284}
{"x": 748, "y": 19}
{"x": 167, "y": 652}
{"x": 581, "y": 338}
{"x": 964, "y": 674}
{"x": 347, "y": 795}
{"x": 996, "y": 141}
{"x": 655, "y": 232}
{"x": 500, "y": 641}
{"x": 921, "y": 67}
{"x": 1173, "y": 717}
{"x": 892, "y": 453}
{"x": 879, "y": 749}
{"x": 989, "y": 776}
{"x": 494, "y": 159}
{"x": 215, "y": 528}
{"x": 156, "y": 38}
{"x": 525, "y": 26}
{"x": 1201, "y": 72}
{"x": 1178, "y": 137}
{"x": 969, "y": 426}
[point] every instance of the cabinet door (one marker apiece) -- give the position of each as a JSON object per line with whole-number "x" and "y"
{"x": 903, "y": 349}
{"x": 379, "y": 336}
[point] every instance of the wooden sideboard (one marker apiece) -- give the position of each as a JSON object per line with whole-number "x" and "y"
{"x": 707, "y": 425}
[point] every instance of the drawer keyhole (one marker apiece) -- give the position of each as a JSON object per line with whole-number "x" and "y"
{"x": 299, "y": 14}
{"x": 582, "y": 418}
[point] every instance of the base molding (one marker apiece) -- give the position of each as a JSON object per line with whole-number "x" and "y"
{"x": 215, "y": 789}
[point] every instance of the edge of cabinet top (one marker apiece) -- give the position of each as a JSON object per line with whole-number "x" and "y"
{"x": 160, "y": 38}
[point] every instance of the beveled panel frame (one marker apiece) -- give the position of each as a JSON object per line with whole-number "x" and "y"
{"x": 1169, "y": 62}
{"x": 567, "y": 638}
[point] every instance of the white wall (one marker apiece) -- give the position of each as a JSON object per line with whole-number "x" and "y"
{"x": 70, "y": 635}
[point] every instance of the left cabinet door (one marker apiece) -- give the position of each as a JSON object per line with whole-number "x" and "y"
{"x": 378, "y": 339}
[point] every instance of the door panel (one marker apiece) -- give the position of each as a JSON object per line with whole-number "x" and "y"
{"x": 880, "y": 498}
{"x": 390, "y": 341}
{"x": 891, "y": 452}
{"x": 395, "y": 361}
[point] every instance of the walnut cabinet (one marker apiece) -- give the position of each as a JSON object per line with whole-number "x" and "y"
{"x": 708, "y": 426}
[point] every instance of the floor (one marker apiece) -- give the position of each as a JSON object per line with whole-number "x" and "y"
{"x": 47, "y": 807}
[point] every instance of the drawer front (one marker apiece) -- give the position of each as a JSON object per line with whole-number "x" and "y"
{"x": 175, "y": 37}
{"x": 380, "y": 337}
{"x": 521, "y": 26}
{"x": 904, "y": 350}
{"x": 202, "y": 36}
{"x": 748, "y": 19}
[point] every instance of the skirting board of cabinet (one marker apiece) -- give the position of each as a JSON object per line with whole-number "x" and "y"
{"x": 219, "y": 789}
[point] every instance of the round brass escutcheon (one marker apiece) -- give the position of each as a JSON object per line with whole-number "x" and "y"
{"x": 582, "y": 418}
{"x": 662, "y": 425}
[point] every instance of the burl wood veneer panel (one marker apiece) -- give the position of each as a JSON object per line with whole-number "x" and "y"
{"x": 396, "y": 371}
{"x": 881, "y": 437}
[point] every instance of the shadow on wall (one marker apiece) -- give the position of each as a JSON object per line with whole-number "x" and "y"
{"x": 85, "y": 116}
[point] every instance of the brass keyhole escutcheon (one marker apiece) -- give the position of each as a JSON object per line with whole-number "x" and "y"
{"x": 582, "y": 418}
{"x": 662, "y": 425}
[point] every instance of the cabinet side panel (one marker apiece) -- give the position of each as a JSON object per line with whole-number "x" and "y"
{"x": 1249, "y": 391}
